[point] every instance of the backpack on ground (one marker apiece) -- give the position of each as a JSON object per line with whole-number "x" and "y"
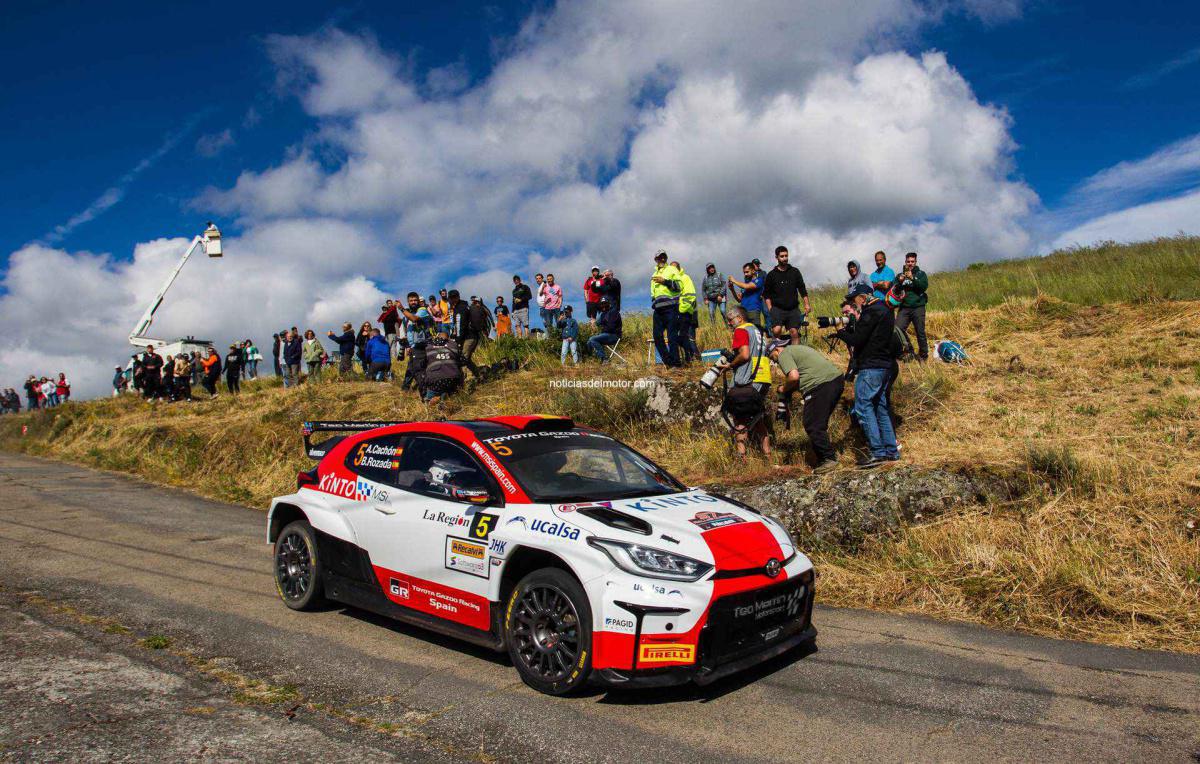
{"x": 949, "y": 351}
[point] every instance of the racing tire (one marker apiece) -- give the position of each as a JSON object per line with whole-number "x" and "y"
{"x": 299, "y": 571}
{"x": 548, "y": 629}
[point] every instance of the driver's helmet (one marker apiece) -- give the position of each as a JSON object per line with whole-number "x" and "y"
{"x": 455, "y": 480}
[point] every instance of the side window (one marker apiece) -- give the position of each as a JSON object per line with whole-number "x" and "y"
{"x": 442, "y": 469}
{"x": 377, "y": 459}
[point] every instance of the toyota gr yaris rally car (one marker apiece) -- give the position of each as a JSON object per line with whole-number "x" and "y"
{"x": 573, "y": 552}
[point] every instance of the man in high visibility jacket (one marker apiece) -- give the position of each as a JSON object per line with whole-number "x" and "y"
{"x": 688, "y": 322}
{"x": 665, "y": 290}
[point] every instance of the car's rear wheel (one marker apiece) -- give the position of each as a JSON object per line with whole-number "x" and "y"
{"x": 298, "y": 569}
{"x": 548, "y": 627}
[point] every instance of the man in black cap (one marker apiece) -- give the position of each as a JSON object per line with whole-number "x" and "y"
{"x": 666, "y": 287}
{"x": 608, "y": 329}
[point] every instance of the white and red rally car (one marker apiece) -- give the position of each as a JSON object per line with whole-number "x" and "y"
{"x": 573, "y": 552}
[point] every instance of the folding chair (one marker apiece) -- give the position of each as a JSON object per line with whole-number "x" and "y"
{"x": 612, "y": 351}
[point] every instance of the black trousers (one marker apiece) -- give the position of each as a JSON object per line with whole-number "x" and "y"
{"x": 233, "y": 382}
{"x": 666, "y": 335}
{"x": 916, "y": 317}
{"x": 819, "y": 405}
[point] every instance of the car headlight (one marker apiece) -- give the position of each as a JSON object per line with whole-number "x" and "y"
{"x": 652, "y": 563}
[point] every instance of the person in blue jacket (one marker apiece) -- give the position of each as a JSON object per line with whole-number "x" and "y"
{"x": 378, "y": 356}
{"x": 570, "y": 336}
{"x": 346, "y": 347}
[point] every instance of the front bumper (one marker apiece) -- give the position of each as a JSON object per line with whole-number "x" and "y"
{"x": 726, "y": 647}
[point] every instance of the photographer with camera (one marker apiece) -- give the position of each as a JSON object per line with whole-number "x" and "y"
{"x": 873, "y": 342}
{"x": 914, "y": 282}
{"x": 745, "y": 400}
{"x": 820, "y": 384}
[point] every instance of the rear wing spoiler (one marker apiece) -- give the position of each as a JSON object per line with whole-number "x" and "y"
{"x": 319, "y": 450}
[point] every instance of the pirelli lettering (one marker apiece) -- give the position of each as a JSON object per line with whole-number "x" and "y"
{"x": 671, "y": 653}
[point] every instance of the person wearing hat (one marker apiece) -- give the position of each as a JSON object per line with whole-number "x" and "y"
{"x": 875, "y": 347}
{"x": 211, "y": 363}
{"x": 610, "y": 287}
{"x": 569, "y": 328}
{"x": 750, "y": 375}
{"x": 233, "y": 369}
{"x": 591, "y": 292}
{"x": 820, "y": 385}
{"x": 608, "y": 329}
{"x": 665, "y": 290}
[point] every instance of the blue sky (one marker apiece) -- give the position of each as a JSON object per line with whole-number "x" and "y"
{"x": 93, "y": 89}
{"x": 353, "y": 153}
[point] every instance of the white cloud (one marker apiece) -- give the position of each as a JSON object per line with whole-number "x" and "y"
{"x": 115, "y": 193}
{"x": 1173, "y": 163}
{"x": 211, "y": 144}
{"x": 602, "y": 132}
{"x": 72, "y": 311}
{"x": 1167, "y": 217}
{"x": 1138, "y": 198}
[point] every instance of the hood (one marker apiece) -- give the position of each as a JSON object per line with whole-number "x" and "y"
{"x": 855, "y": 264}
{"x": 694, "y": 523}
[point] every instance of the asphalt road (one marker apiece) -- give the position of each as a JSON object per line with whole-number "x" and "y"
{"x": 878, "y": 687}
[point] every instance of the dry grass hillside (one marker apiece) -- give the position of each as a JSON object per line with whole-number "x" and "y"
{"x": 1089, "y": 413}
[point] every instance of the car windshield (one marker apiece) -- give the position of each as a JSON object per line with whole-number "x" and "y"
{"x": 579, "y": 466}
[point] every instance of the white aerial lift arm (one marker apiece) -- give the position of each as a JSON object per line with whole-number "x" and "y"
{"x": 211, "y": 238}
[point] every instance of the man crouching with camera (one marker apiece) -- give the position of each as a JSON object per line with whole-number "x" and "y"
{"x": 873, "y": 343}
{"x": 820, "y": 384}
{"x": 745, "y": 405}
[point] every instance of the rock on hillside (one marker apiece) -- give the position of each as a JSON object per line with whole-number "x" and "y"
{"x": 842, "y": 509}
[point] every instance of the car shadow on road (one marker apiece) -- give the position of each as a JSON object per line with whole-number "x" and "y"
{"x": 425, "y": 635}
{"x": 691, "y": 693}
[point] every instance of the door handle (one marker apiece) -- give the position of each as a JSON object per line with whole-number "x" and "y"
{"x": 383, "y": 509}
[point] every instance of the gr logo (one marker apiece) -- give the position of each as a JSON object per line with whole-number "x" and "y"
{"x": 398, "y": 588}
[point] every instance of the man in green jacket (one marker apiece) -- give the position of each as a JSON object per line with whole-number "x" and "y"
{"x": 914, "y": 282}
{"x": 665, "y": 291}
{"x": 688, "y": 316}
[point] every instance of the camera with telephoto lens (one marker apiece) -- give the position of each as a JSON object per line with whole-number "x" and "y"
{"x": 711, "y": 376}
{"x": 834, "y": 322}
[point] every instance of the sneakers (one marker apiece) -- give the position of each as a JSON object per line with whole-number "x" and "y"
{"x": 870, "y": 464}
{"x": 829, "y": 465}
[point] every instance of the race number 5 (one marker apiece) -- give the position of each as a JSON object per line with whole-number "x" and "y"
{"x": 482, "y": 526}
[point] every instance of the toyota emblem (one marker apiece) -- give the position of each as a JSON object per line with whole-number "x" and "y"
{"x": 773, "y": 567}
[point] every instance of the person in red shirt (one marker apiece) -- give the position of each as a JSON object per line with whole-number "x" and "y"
{"x": 62, "y": 388}
{"x": 591, "y": 292}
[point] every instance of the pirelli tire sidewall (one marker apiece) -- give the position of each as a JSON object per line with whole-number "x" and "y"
{"x": 314, "y": 597}
{"x": 566, "y": 583}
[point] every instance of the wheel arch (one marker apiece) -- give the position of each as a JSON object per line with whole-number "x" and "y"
{"x": 522, "y": 561}
{"x": 287, "y": 510}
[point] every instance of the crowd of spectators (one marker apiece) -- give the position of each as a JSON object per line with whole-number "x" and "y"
{"x": 40, "y": 393}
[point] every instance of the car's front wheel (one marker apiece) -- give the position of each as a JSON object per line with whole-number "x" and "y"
{"x": 548, "y": 626}
{"x": 298, "y": 569}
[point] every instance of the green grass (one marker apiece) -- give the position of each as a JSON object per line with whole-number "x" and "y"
{"x": 1162, "y": 269}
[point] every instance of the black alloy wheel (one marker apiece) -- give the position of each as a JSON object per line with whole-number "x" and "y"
{"x": 549, "y": 631}
{"x": 297, "y": 568}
